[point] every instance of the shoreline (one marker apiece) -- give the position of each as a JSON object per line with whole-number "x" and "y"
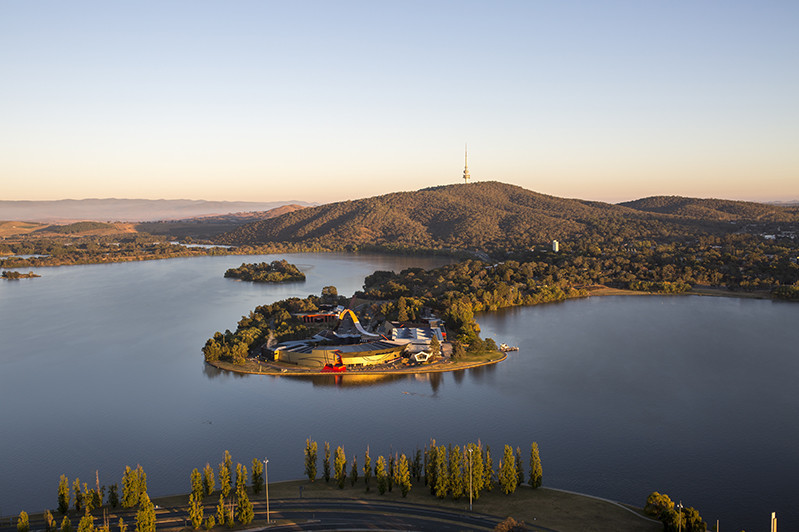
{"x": 256, "y": 367}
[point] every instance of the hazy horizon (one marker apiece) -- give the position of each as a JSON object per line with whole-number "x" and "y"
{"x": 329, "y": 101}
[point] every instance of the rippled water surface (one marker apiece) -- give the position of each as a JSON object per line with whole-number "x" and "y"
{"x": 100, "y": 367}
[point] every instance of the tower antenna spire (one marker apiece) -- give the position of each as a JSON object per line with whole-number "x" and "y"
{"x": 466, "y": 162}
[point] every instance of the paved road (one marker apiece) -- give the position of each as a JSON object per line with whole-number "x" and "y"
{"x": 328, "y": 514}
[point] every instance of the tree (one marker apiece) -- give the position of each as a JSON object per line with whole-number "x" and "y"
{"x": 224, "y": 480}
{"x": 416, "y": 466}
{"x": 403, "y": 476}
{"x": 208, "y": 480}
{"x": 196, "y": 510}
{"x": 130, "y": 488}
{"x": 145, "y": 517}
{"x": 536, "y": 474}
{"x": 326, "y": 462}
{"x": 475, "y": 454}
{"x": 442, "y": 472}
{"x": 49, "y": 521}
{"x": 507, "y": 471}
{"x": 402, "y": 310}
{"x": 113, "y": 495}
{"x": 392, "y": 462}
{"x": 122, "y": 526}
{"x": 435, "y": 346}
{"x": 244, "y": 509}
{"x": 310, "y": 459}
{"x": 658, "y": 505}
{"x": 63, "y": 495}
{"x": 66, "y": 524}
{"x": 78, "y": 495}
{"x": 141, "y": 477}
{"x": 519, "y": 467}
{"x": 380, "y": 473}
{"x": 86, "y": 523}
{"x": 456, "y": 472}
{"x": 196, "y": 485}
{"x": 458, "y": 351}
{"x": 257, "y": 476}
{"x": 220, "y": 510}
{"x": 241, "y": 480}
{"x": 354, "y": 471}
{"x": 340, "y": 467}
{"x": 367, "y": 468}
{"x": 23, "y": 523}
{"x": 210, "y": 522}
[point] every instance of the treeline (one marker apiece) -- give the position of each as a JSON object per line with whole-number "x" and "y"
{"x": 233, "y": 505}
{"x": 660, "y": 506}
{"x": 94, "y": 250}
{"x": 278, "y": 271}
{"x": 449, "y": 471}
{"x": 267, "y": 323}
{"x": 16, "y": 275}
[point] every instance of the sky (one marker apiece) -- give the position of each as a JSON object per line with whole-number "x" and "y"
{"x": 333, "y": 100}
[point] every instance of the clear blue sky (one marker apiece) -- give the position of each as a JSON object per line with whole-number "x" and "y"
{"x": 330, "y": 100}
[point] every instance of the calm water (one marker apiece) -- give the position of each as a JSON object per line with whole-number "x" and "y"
{"x": 100, "y": 367}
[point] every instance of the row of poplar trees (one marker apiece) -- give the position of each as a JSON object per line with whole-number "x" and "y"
{"x": 446, "y": 470}
{"x": 203, "y": 485}
{"x": 86, "y": 500}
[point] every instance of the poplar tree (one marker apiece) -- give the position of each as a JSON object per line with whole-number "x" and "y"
{"x": 488, "y": 470}
{"x": 455, "y": 472}
{"x": 475, "y": 469}
{"x": 49, "y": 521}
{"x": 86, "y": 523}
{"x": 244, "y": 509}
{"x": 210, "y": 522}
{"x": 340, "y": 467}
{"x": 145, "y": 518}
{"x": 241, "y": 480}
{"x": 392, "y": 464}
{"x": 63, "y": 494}
{"x": 257, "y": 476}
{"x": 209, "y": 482}
{"x": 507, "y": 471}
{"x": 326, "y": 462}
{"x": 367, "y": 468}
{"x": 380, "y": 473}
{"x": 141, "y": 480}
{"x": 66, "y": 524}
{"x": 122, "y": 526}
{"x": 196, "y": 485}
{"x": 220, "y": 510}
{"x": 519, "y": 467}
{"x": 23, "y": 523}
{"x": 416, "y": 467}
{"x": 224, "y": 480}
{"x": 113, "y": 495}
{"x": 130, "y": 488}
{"x": 536, "y": 474}
{"x": 78, "y": 495}
{"x": 442, "y": 472}
{"x": 195, "y": 510}
{"x": 403, "y": 477}
{"x": 354, "y": 471}
{"x": 310, "y": 459}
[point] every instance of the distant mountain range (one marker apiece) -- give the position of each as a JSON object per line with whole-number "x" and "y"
{"x": 128, "y": 210}
{"x": 497, "y": 216}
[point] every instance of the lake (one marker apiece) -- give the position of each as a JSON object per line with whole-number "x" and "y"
{"x": 100, "y": 367}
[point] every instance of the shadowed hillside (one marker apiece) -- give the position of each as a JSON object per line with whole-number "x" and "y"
{"x": 715, "y": 209}
{"x": 486, "y": 215}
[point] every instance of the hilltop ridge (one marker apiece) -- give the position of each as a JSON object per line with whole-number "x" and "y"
{"x": 493, "y": 216}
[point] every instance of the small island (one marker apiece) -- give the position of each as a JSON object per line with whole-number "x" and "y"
{"x": 12, "y": 275}
{"x": 277, "y": 271}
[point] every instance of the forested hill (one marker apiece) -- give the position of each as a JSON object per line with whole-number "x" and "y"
{"x": 715, "y": 209}
{"x": 485, "y": 215}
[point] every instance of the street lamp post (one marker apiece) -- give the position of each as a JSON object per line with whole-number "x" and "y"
{"x": 679, "y": 518}
{"x": 470, "y": 479}
{"x": 266, "y": 482}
